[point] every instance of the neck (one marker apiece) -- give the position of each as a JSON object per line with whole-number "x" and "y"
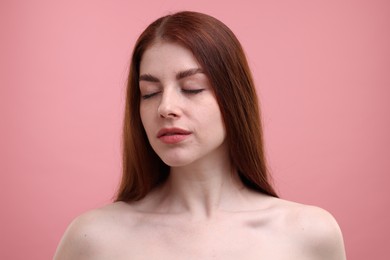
{"x": 202, "y": 191}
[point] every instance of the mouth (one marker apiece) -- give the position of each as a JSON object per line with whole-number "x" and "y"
{"x": 172, "y": 135}
{"x": 172, "y": 132}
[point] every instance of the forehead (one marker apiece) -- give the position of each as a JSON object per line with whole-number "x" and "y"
{"x": 167, "y": 57}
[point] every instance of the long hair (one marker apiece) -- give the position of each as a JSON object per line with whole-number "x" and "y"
{"x": 223, "y": 61}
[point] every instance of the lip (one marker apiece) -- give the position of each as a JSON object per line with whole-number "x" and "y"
{"x": 172, "y": 135}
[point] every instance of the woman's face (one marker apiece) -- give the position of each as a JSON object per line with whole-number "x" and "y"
{"x": 178, "y": 107}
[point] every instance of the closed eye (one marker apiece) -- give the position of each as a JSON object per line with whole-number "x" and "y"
{"x": 146, "y": 96}
{"x": 186, "y": 91}
{"x": 192, "y": 91}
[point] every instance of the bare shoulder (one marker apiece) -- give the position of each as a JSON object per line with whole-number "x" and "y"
{"x": 88, "y": 234}
{"x": 313, "y": 229}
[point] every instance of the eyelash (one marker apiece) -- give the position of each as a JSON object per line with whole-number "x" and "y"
{"x": 185, "y": 91}
{"x": 192, "y": 91}
{"x": 149, "y": 95}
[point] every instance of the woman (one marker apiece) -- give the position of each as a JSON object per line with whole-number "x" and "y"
{"x": 195, "y": 184}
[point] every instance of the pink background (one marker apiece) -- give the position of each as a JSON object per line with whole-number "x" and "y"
{"x": 322, "y": 69}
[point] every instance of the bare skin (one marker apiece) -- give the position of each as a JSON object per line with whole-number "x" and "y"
{"x": 203, "y": 211}
{"x": 163, "y": 226}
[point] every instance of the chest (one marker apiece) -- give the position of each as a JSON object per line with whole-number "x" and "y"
{"x": 202, "y": 242}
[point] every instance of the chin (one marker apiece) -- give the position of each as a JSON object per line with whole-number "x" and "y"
{"x": 176, "y": 159}
{"x": 175, "y": 162}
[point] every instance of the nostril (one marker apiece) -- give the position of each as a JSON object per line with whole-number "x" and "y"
{"x": 168, "y": 111}
{"x": 168, "y": 115}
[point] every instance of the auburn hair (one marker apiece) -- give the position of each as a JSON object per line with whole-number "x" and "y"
{"x": 223, "y": 61}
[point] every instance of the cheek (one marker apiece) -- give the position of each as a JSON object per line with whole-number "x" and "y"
{"x": 142, "y": 115}
{"x": 145, "y": 118}
{"x": 212, "y": 118}
{"x": 219, "y": 122}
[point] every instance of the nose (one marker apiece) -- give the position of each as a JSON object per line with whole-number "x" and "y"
{"x": 169, "y": 106}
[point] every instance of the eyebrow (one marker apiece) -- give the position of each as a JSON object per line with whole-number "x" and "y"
{"x": 180, "y": 75}
{"x": 188, "y": 73}
{"x": 148, "y": 77}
